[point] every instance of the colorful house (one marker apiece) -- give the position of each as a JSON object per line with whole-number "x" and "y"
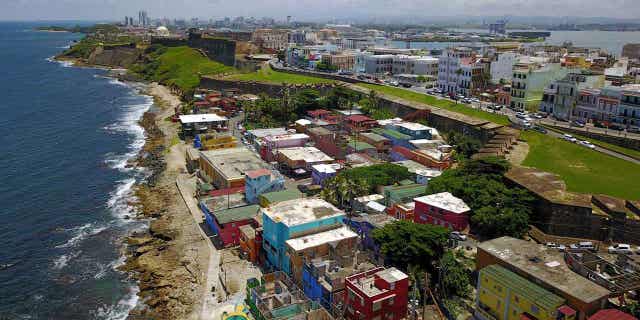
{"x": 261, "y": 181}
{"x": 292, "y": 219}
{"x": 402, "y": 193}
{"x": 397, "y": 138}
{"x": 251, "y": 240}
{"x": 504, "y": 295}
{"x": 381, "y": 143}
{"x": 359, "y": 123}
{"x": 342, "y": 241}
{"x": 267, "y": 199}
{"x": 442, "y": 209}
{"x": 322, "y": 172}
{"x": 377, "y": 294}
{"x": 226, "y": 223}
{"x": 412, "y": 129}
{"x": 364, "y": 226}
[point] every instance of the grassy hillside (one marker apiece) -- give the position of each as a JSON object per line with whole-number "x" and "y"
{"x": 180, "y": 66}
{"x": 441, "y": 103}
{"x": 266, "y": 74}
{"x": 583, "y": 169}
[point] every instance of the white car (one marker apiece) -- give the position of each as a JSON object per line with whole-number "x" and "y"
{"x": 585, "y": 245}
{"x": 569, "y": 138}
{"x": 620, "y": 248}
{"x": 587, "y": 144}
{"x": 458, "y": 236}
{"x": 552, "y": 245}
{"x": 562, "y": 248}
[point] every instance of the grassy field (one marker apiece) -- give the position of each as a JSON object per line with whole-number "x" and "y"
{"x": 266, "y": 74}
{"x": 183, "y": 65}
{"x": 441, "y": 103}
{"x": 626, "y": 151}
{"x": 582, "y": 169}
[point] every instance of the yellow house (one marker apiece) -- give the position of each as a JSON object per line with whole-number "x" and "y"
{"x": 504, "y": 295}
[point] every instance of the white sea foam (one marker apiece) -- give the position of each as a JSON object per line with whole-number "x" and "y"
{"x": 82, "y": 232}
{"x": 118, "y": 82}
{"x": 120, "y": 310}
{"x": 64, "y": 259}
{"x": 65, "y": 64}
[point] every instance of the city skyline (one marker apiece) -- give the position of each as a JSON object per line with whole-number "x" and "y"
{"x": 314, "y": 11}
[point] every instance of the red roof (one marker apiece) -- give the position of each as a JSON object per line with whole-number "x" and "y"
{"x": 318, "y": 112}
{"x": 224, "y": 192}
{"x": 257, "y": 173}
{"x": 201, "y": 103}
{"x": 611, "y": 314}
{"x": 566, "y": 310}
{"x": 359, "y": 118}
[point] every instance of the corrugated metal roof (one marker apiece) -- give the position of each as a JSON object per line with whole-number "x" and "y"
{"x": 236, "y": 214}
{"x": 284, "y": 195}
{"x": 523, "y": 287}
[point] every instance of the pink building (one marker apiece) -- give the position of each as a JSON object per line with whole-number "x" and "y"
{"x": 271, "y": 143}
{"x": 442, "y": 209}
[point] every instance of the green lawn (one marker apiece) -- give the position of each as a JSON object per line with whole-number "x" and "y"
{"x": 582, "y": 169}
{"x": 626, "y": 151}
{"x": 266, "y": 74}
{"x": 183, "y": 65}
{"x": 441, "y": 103}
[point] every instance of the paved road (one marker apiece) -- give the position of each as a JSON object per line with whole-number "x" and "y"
{"x": 591, "y": 128}
{"x": 599, "y": 149}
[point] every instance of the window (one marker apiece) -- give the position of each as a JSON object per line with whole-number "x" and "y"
{"x": 534, "y": 309}
{"x": 377, "y": 306}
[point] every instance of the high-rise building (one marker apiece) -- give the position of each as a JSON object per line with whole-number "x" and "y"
{"x": 143, "y": 19}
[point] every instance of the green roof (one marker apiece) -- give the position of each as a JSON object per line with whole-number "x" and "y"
{"x": 359, "y": 145}
{"x": 392, "y": 133}
{"x": 403, "y": 193}
{"x": 236, "y": 214}
{"x": 279, "y": 196}
{"x": 374, "y": 136}
{"x": 523, "y": 287}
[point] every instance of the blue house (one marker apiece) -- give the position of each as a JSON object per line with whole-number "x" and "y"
{"x": 364, "y": 226}
{"x": 414, "y": 130}
{"x": 293, "y": 219}
{"x": 397, "y": 138}
{"x": 322, "y": 172}
{"x": 261, "y": 181}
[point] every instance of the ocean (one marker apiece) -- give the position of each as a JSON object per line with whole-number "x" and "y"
{"x": 67, "y": 134}
{"x": 612, "y": 41}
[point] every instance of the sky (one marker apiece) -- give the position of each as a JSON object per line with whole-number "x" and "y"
{"x": 310, "y": 10}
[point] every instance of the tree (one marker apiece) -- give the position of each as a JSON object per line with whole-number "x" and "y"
{"x": 454, "y": 278}
{"x": 378, "y": 175}
{"x": 339, "y": 190}
{"x": 404, "y": 243}
{"x": 305, "y": 100}
{"x": 464, "y": 145}
{"x": 496, "y": 209}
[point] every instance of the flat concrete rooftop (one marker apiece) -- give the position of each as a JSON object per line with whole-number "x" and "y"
{"x": 300, "y": 211}
{"x": 544, "y": 265}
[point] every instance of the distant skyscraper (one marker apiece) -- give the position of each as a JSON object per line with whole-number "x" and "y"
{"x": 288, "y": 20}
{"x": 143, "y": 19}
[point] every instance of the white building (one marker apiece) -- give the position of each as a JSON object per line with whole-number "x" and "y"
{"x": 378, "y": 64}
{"x": 502, "y": 67}
{"x": 456, "y": 70}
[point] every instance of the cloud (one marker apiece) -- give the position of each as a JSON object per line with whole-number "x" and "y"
{"x": 313, "y": 9}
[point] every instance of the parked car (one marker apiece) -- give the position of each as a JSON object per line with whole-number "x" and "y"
{"x": 633, "y": 129}
{"x": 457, "y": 235}
{"x": 620, "y": 248}
{"x": 584, "y": 245}
{"x": 569, "y": 138}
{"x": 521, "y": 115}
{"x": 540, "y": 129}
{"x": 587, "y": 144}
{"x": 562, "y": 248}
{"x": 577, "y": 123}
{"x": 552, "y": 245}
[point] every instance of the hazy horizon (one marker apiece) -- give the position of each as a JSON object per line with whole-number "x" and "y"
{"x": 308, "y": 10}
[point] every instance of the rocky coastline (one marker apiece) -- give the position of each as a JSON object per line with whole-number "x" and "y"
{"x": 169, "y": 260}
